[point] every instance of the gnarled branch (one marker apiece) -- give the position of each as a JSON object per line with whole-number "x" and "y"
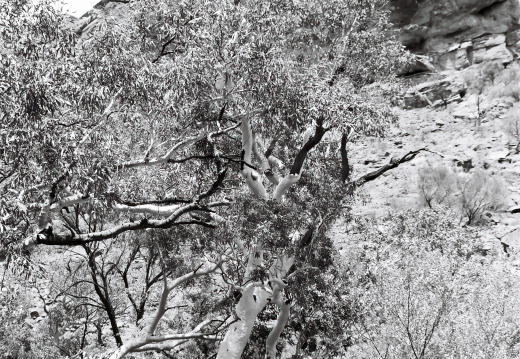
{"x": 295, "y": 172}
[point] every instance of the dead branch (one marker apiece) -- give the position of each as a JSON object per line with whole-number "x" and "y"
{"x": 394, "y": 163}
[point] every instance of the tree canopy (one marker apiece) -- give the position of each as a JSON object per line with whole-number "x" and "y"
{"x": 190, "y": 152}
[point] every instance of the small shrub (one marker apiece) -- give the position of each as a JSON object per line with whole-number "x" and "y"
{"x": 489, "y": 71}
{"x": 436, "y": 184}
{"x": 512, "y": 124}
{"x": 473, "y": 80}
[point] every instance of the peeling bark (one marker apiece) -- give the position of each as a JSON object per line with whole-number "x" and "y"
{"x": 145, "y": 208}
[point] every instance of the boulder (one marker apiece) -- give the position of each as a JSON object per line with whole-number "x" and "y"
{"x": 512, "y": 238}
{"x": 434, "y": 93}
{"x": 420, "y": 64}
{"x": 498, "y": 53}
{"x": 514, "y": 209}
{"x": 457, "y": 57}
{"x": 467, "y": 110}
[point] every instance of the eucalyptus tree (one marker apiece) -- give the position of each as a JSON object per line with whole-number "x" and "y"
{"x": 213, "y": 131}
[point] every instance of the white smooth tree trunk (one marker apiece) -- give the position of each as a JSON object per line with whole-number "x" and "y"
{"x": 253, "y": 301}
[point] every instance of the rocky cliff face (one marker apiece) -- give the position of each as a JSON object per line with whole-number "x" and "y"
{"x": 458, "y": 33}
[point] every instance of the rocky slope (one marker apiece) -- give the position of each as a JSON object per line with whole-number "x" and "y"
{"x": 466, "y": 136}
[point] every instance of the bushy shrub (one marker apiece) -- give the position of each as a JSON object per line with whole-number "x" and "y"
{"x": 493, "y": 81}
{"x": 427, "y": 293}
{"x": 490, "y": 70}
{"x": 480, "y": 192}
{"x": 469, "y": 194}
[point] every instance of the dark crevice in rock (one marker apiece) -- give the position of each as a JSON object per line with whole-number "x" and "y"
{"x": 488, "y": 10}
{"x": 456, "y": 32}
{"x": 413, "y": 73}
{"x": 470, "y": 55}
{"x": 417, "y": 47}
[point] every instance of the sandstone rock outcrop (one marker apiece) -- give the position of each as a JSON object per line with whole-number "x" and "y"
{"x": 434, "y": 93}
{"x": 458, "y": 33}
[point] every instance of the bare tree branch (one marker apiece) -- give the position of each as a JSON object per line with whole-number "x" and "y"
{"x": 146, "y": 343}
{"x": 105, "y": 115}
{"x": 49, "y": 238}
{"x": 394, "y": 163}
{"x": 176, "y": 148}
{"x": 345, "y": 168}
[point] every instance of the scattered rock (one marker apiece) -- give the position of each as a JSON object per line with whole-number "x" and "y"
{"x": 420, "y": 64}
{"x": 467, "y": 110}
{"x": 34, "y": 314}
{"x": 466, "y": 165}
{"x": 497, "y": 156}
{"x": 497, "y": 53}
{"x": 515, "y": 209}
{"x": 512, "y": 238}
{"x": 369, "y": 161}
